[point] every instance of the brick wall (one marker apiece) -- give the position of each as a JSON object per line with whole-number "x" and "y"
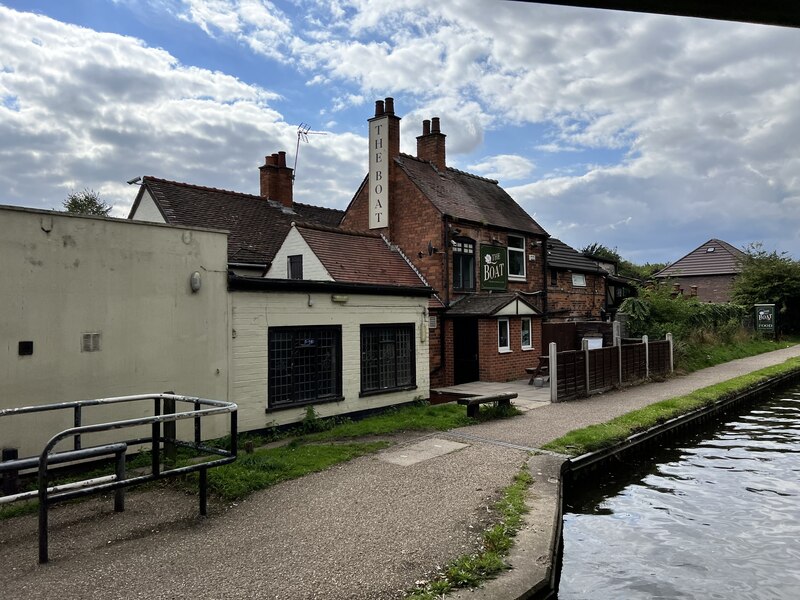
{"x": 507, "y": 366}
{"x": 566, "y": 302}
{"x": 710, "y": 288}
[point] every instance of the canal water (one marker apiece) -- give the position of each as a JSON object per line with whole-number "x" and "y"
{"x": 716, "y": 515}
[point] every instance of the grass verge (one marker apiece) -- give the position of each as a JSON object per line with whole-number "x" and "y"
{"x": 604, "y": 435}
{"x": 473, "y": 569}
{"x": 267, "y": 466}
{"x": 692, "y": 357}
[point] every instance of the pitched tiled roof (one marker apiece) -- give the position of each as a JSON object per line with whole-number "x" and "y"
{"x": 468, "y": 197}
{"x": 359, "y": 257}
{"x": 562, "y": 256}
{"x": 256, "y": 226}
{"x": 485, "y": 304}
{"x": 715, "y": 257}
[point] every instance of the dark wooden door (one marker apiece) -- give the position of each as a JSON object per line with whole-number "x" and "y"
{"x": 465, "y": 350}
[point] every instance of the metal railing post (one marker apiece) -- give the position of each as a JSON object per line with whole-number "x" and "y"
{"x": 170, "y": 432}
{"x": 155, "y": 434}
{"x": 76, "y": 420}
{"x": 203, "y": 492}
{"x": 552, "y": 368}
{"x": 119, "y": 494}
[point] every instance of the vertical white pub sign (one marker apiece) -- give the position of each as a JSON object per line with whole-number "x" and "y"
{"x": 378, "y": 173}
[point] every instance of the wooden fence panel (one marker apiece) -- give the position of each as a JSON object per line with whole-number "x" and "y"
{"x": 659, "y": 357}
{"x": 571, "y": 376}
{"x": 603, "y": 369}
{"x": 563, "y": 334}
{"x": 634, "y": 362}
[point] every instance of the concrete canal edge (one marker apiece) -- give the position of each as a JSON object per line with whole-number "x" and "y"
{"x": 535, "y": 557}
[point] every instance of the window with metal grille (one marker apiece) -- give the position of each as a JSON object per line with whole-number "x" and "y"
{"x": 463, "y": 264}
{"x": 304, "y": 365}
{"x": 294, "y": 266}
{"x": 387, "y": 357}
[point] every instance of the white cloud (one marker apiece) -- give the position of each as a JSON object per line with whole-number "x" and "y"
{"x": 92, "y": 110}
{"x": 672, "y": 130}
{"x": 504, "y": 167}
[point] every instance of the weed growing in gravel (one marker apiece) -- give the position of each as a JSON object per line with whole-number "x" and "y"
{"x": 473, "y": 569}
{"x": 269, "y": 466}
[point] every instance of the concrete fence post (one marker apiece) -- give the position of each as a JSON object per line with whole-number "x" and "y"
{"x": 553, "y": 370}
{"x": 671, "y": 360}
{"x": 619, "y": 362}
{"x": 616, "y": 333}
{"x": 585, "y": 348}
{"x": 646, "y": 343}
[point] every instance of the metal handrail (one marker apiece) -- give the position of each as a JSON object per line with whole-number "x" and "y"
{"x": 47, "y": 456}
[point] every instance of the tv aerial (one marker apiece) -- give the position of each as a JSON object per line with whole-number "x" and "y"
{"x": 303, "y": 131}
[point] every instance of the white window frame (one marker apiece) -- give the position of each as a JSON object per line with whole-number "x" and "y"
{"x": 521, "y": 251}
{"x": 578, "y": 280}
{"x": 529, "y": 345}
{"x": 504, "y": 323}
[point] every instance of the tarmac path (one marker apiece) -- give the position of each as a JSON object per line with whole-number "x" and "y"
{"x": 366, "y": 529}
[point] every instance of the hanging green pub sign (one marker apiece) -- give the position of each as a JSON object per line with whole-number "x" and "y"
{"x": 493, "y": 268}
{"x": 765, "y": 318}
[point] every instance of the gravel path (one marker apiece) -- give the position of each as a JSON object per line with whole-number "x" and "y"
{"x": 367, "y": 529}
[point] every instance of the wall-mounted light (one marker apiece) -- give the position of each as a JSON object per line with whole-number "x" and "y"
{"x": 432, "y": 249}
{"x": 194, "y": 281}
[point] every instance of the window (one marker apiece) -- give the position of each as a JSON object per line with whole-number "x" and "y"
{"x": 463, "y": 264}
{"x": 578, "y": 280}
{"x": 553, "y": 277}
{"x": 526, "y": 334}
{"x": 387, "y": 358}
{"x": 503, "y": 344}
{"x": 516, "y": 257}
{"x": 304, "y": 365}
{"x": 294, "y": 266}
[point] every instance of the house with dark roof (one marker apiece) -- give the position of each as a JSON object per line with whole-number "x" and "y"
{"x": 576, "y": 285}
{"x": 707, "y": 272}
{"x": 256, "y": 225}
{"x": 478, "y": 249}
{"x": 318, "y": 316}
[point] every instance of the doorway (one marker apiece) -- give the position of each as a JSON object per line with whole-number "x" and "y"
{"x": 465, "y": 351}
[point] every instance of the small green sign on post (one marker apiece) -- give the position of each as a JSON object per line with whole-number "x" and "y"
{"x": 494, "y": 268}
{"x": 765, "y": 318}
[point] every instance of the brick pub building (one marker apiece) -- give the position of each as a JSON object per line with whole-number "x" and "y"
{"x": 483, "y": 255}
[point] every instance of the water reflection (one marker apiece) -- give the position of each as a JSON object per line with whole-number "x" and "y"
{"x": 716, "y": 516}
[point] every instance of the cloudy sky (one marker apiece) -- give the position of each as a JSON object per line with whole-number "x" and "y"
{"x": 646, "y": 133}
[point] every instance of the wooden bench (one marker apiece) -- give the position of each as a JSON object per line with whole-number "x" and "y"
{"x": 474, "y": 404}
{"x": 543, "y": 370}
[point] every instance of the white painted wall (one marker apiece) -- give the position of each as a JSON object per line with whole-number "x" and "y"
{"x": 294, "y": 244}
{"x": 147, "y": 210}
{"x": 254, "y": 312}
{"x": 65, "y": 275}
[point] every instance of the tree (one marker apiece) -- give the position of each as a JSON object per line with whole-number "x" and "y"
{"x": 625, "y": 268}
{"x": 86, "y": 202}
{"x": 770, "y": 278}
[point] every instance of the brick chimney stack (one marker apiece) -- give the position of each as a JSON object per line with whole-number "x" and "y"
{"x": 431, "y": 144}
{"x": 277, "y": 179}
{"x": 386, "y": 108}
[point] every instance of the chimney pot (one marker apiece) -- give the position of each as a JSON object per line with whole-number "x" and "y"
{"x": 390, "y": 106}
{"x": 435, "y": 125}
{"x": 269, "y": 160}
{"x": 282, "y": 158}
{"x": 379, "y": 108}
{"x": 426, "y": 127}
